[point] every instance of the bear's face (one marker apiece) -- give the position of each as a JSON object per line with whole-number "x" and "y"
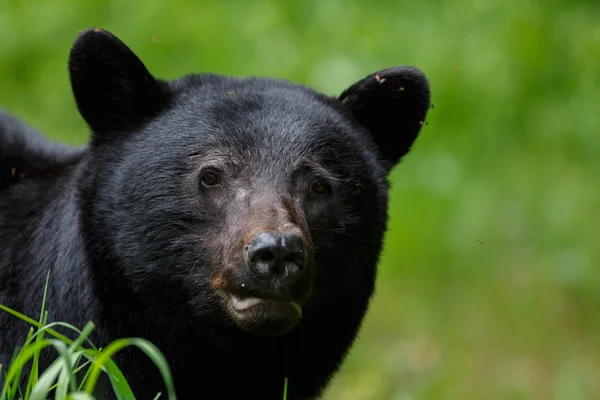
{"x": 249, "y": 198}
{"x": 266, "y": 184}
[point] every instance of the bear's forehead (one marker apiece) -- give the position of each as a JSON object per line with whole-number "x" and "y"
{"x": 261, "y": 100}
{"x": 273, "y": 114}
{"x": 257, "y": 125}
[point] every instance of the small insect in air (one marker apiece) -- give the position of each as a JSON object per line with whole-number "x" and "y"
{"x": 401, "y": 89}
{"x": 479, "y": 240}
{"x": 154, "y": 38}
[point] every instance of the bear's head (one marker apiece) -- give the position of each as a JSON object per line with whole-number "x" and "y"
{"x": 247, "y": 200}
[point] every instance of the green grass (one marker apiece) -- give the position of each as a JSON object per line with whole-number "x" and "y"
{"x": 510, "y": 157}
{"x": 73, "y": 360}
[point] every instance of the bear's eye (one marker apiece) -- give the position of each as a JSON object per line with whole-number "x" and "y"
{"x": 210, "y": 179}
{"x": 319, "y": 187}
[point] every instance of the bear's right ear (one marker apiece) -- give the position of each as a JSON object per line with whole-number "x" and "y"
{"x": 113, "y": 89}
{"x": 392, "y": 105}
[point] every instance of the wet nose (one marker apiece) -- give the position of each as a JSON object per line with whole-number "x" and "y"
{"x": 274, "y": 255}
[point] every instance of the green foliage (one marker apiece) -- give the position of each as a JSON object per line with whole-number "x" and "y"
{"x": 509, "y": 158}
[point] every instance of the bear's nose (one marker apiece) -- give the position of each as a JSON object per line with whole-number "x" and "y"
{"x": 274, "y": 255}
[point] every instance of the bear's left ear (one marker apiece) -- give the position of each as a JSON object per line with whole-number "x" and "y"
{"x": 391, "y": 105}
{"x": 113, "y": 89}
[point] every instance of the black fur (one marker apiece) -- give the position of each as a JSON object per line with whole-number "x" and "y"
{"x": 137, "y": 245}
{"x": 25, "y": 153}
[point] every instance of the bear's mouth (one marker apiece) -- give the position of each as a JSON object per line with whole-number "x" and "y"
{"x": 242, "y": 304}
{"x": 263, "y": 316}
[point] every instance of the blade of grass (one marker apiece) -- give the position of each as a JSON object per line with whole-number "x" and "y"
{"x": 67, "y": 380}
{"x": 118, "y": 382}
{"x": 83, "y": 335}
{"x": 285, "y": 388}
{"x": 34, "y": 373}
{"x": 45, "y": 382}
{"x": 148, "y": 348}
{"x": 16, "y": 354}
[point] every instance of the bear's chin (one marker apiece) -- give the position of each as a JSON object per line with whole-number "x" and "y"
{"x": 264, "y": 317}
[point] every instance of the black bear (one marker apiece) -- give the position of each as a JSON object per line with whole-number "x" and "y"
{"x": 236, "y": 223}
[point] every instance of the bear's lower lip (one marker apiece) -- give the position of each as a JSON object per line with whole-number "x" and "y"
{"x": 239, "y": 304}
{"x": 263, "y": 316}
{"x": 242, "y": 304}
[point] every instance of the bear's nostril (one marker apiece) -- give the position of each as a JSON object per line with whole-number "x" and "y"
{"x": 266, "y": 256}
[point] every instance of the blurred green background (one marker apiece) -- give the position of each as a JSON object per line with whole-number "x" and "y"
{"x": 490, "y": 281}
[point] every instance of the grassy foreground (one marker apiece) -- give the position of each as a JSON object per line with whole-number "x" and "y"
{"x": 75, "y": 358}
